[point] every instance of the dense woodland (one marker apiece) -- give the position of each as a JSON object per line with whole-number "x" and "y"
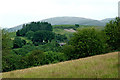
{"x": 38, "y": 43}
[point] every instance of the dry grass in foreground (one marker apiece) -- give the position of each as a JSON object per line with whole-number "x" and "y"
{"x": 99, "y": 66}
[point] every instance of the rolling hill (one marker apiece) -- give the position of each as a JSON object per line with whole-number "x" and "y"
{"x": 107, "y": 20}
{"x": 69, "y": 21}
{"x": 99, "y": 66}
{"x": 73, "y": 21}
{"x": 13, "y": 29}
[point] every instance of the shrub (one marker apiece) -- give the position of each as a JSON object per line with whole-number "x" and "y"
{"x": 60, "y": 38}
{"x": 24, "y": 50}
{"x": 112, "y": 30}
{"x": 35, "y": 57}
{"x": 29, "y": 35}
{"x": 51, "y": 46}
{"x": 69, "y": 51}
{"x": 10, "y": 62}
{"x": 18, "y": 42}
{"x": 76, "y": 25}
{"x": 88, "y": 41}
{"x": 53, "y": 57}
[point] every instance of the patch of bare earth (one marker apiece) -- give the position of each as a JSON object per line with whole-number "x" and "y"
{"x": 70, "y": 30}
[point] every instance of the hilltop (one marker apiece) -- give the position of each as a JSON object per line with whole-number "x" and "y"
{"x": 69, "y": 21}
{"x": 75, "y": 20}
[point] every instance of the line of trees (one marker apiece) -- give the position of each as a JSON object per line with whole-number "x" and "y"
{"x": 34, "y": 26}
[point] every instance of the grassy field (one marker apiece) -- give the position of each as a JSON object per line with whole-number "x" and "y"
{"x": 99, "y": 66}
{"x": 27, "y": 40}
{"x": 63, "y": 32}
{"x": 59, "y": 29}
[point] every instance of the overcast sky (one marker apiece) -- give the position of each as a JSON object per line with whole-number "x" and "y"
{"x": 16, "y": 12}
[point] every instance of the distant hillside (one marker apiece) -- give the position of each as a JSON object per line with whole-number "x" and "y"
{"x": 73, "y": 20}
{"x": 107, "y": 20}
{"x": 69, "y": 21}
{"x": 13, "y": 29}
{"x": 99, "y": 66}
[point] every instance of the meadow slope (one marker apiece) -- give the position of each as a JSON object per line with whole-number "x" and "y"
{"x": 99, "y": 66}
